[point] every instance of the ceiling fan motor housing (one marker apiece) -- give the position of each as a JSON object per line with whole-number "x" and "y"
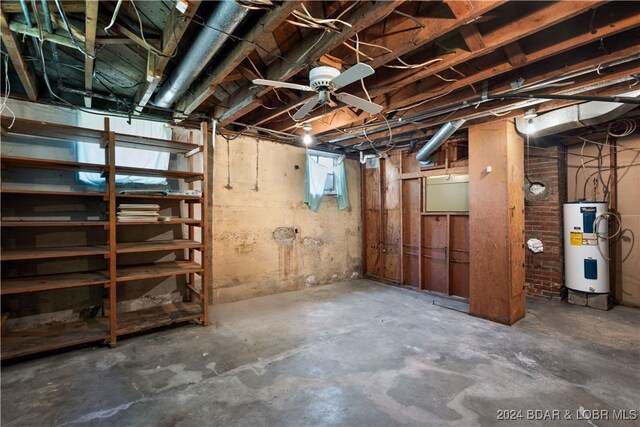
{"x": 320, "y": 77}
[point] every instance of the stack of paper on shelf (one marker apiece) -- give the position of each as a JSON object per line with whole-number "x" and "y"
{"x": 137, "y": 212}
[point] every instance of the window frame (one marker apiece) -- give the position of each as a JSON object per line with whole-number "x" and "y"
{"x": 315, "y": 156}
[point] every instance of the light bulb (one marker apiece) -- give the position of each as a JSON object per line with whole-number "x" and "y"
{"x": 531, "y": 128}
{"x": 307, "y": 139}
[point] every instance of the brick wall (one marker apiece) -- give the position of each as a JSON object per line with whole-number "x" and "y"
{"x": 544, "y": 272}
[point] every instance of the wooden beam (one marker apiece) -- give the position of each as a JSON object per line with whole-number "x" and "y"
{"x": 171, "y": 35}
{"x": 134, "y": 37}
{"x": 547, "y": 16}
{"x": 472, "y": 37}
{"x": 90, "y": 25}
{"x": 396, "y": 39}
{"x": 58, "y": 37}
{"x": 76, "y": 6}
{"x": 14, "y": 48}
{"x": 422, "y": 90}
{"x": 361, "y": 17}
{"x": 514, "y": 52}
{"x": 108, "y": 40}
{"x": 77, "y": 33}
{"x": 260, "y": 32}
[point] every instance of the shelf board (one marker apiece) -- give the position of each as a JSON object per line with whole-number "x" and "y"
{"x": 129, "y": 170}
{"x": 178, "y": 221}
{"x": 53, "y": 223}
{"x": 31, "y": 162}
{"x": 51, "y": 337}
{"x": 160, "y": 269}
{"x": 158, "y": 245}
{"x": 188, "y": 199}
{"x": 52, "y": 131}
{"x": 53, "y": 281}
{"x": 59, "y": 252}
{"x": 52, "y": 193}
{"x": 156, "y": 144}
{"x": 155, "y": 317}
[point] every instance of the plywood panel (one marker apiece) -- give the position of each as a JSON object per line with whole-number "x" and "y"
{"x": 434, "y": 253}
{"x": 411, "y": 194}
{"x": 459, "y": 255}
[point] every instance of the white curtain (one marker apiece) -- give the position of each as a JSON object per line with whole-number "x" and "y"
{"x": 149, "y": 159}
{"x": 92, "y": 153}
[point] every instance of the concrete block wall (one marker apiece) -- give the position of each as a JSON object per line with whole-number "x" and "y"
{"x": 544, "y": 272}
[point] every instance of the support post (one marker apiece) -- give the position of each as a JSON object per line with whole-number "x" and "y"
{"x": 496, "y": 223}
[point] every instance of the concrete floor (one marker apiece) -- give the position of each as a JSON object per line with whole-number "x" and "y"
{"x": 354, "y": 354}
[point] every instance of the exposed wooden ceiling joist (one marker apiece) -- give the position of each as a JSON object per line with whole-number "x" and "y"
{"x": 91, "y": 22}
{"x": 15, "y": 48}
{"x": 284, "y": 68}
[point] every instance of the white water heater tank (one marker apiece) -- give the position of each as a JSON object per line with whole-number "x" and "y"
{"x": 585, "y": 267}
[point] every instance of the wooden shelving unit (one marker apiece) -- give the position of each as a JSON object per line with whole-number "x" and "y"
{"x": 116, "y": 275}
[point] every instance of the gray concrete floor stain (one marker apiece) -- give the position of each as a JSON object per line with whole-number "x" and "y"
{"x": 356, "y": 354}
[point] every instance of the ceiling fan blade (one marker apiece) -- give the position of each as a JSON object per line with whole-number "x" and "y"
{"x": 276, "y": 83}
{"x": 360, "y": 103}
{"x": 357, "y": 72}
{"x": 304, "y": 110}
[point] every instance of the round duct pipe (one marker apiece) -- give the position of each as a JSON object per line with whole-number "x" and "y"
{"x": 438, "y": 139}
{"x": 223, "y": 20}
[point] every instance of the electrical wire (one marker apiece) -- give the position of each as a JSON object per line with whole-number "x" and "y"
{"x": 597, "y": 220}
{"x": 113, "y": 17}
{"x": 7, "y": 91}
{"x": 151, "y": 48}
{"x": 68, "y": 28}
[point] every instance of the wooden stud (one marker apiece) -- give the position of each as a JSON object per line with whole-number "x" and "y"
{"x": 472, "y": 37}
{"x": 514, "y": 52}
{"x": 90, "y": 25}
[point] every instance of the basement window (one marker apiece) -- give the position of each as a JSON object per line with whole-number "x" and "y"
{"x": 329, "y": 161}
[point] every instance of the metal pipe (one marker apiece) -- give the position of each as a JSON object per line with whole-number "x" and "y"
{"x": 54, "y": 48}
{"x": 222, "y": 22}
{"x": 438, "y": 139}
{"x": 27, "y": 19}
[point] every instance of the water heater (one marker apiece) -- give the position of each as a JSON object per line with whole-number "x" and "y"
{"x": 586, "y": 265}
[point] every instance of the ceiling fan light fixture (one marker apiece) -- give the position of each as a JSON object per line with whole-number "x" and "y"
{"x": 307, "y": 139}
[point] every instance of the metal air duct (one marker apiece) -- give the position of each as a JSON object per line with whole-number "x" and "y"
{"x": 223, "y": 21}
{"x": 438, "y": 139}
{"x": 576, "y": 116}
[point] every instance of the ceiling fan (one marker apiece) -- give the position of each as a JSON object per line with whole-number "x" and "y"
{"x": 326, "y": 80}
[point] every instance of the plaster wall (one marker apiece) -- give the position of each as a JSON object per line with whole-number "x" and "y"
{"x": 265, "y": 239}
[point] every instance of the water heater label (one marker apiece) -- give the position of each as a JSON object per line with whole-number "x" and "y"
{"x": 576, "y": 238}
{"x": 589, "y": 240}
